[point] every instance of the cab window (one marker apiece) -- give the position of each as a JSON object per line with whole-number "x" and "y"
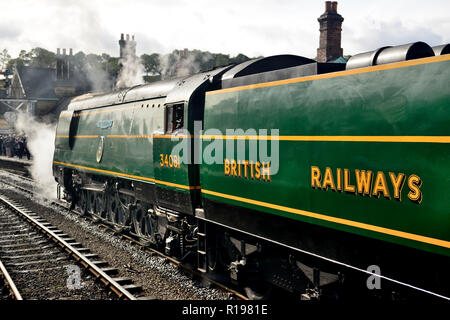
{"x": 174, "y": 117}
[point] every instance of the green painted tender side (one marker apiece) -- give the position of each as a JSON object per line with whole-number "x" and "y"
{"x": 408, "y": 101}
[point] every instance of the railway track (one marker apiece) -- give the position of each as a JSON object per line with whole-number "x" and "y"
{"x": 34, "y": 256}
{"x": 130, "y": 238}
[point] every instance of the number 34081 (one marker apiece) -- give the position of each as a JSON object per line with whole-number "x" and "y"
{"x": 171, "y": 161}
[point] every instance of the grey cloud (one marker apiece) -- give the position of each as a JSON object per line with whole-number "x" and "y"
{"x": 388, "y": 33}
{"x": 8, "y": 31}
{"x": 148, "y": 44}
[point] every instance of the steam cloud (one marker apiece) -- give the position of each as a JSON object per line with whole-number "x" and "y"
{"x": 132, "y": 70}
{"x": 99, "y": 79}
{"x": 41, "y": 144}
{"x": 182, "y": 63}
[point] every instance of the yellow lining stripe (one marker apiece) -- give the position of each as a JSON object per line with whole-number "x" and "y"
{"x": 360, "y": 225}
{"x": 129, "y": 136}
{"x": 406, "y": 139}
{"x": 130, "y": 176}
{"x": 424, "y": 139}
{"x": 168, "y": 136}
{"x": 136, "y": 136}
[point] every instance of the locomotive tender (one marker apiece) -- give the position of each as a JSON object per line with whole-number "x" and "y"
{"x": 356, "y": 176}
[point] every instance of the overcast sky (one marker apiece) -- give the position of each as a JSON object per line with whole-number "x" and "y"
{"x": 251, "y": 27}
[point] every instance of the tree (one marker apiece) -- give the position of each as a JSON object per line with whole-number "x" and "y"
{"x": 239, "y": 59}
{"x": 221, "y": 60}
{"x": 151, "y": 63}
{"x": 4, "y": 59}
{"x": 42, "y": 58}
{"x": 22, "y": 60}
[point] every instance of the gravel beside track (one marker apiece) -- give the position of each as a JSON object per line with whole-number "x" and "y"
{"x": 39, "y": 267}
{"x": 158, "y": 278}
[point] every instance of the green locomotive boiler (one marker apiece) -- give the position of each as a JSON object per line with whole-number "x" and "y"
{"x": 279, "y": 172}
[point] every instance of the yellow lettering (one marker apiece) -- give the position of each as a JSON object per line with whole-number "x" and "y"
{"x": 315, "y": 177}
{"x": 339, "y": 179}
{"x": 380, "y": 186}
{"x": 266, "y": 171}
{"x": 328, "y": 180}
{"x": 414, "y": 184}
{"x": 347, "y": 186}
{"x": 226, "y": 164}
{"x": 233, "y": 168}
{"x": 239, "y": 168}
{"x": 363, "y": 181}
{"x": 257, "y": 170}
{"x": 397, "y": 183}
{"x": 245, "y": 168}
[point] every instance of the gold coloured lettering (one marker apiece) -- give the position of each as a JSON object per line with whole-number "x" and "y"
{"x": 339, "y": 179}
{"x": 245, "y": 168}
{"x": 315, "y": 177}
{"x": 266, "y": 171}
{"x": 233, "y": 168}
{"x": 347, "y": 186}
{"x": 397, "y": 183}
{"x": 380, "y": 186}
{"x": 257, "y": 170}
{"x": 328, "y": 180}
{"x": 363, "y": 181}
{"x": 414, "y": 184}
{"x": 226, "y": 165}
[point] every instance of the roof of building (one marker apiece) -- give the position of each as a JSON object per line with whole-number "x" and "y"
{"x": 37, "y": 82}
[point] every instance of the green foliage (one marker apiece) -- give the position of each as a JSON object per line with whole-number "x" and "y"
{"x": 156, "y": 66}
{"x": 41, "y": 58}
{"x": 151, "y": 63}
{"x": 4, "y": 59}
{"x": 184, "y": 62}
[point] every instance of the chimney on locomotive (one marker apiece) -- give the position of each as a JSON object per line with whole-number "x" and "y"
{"x": 330, "y": 33}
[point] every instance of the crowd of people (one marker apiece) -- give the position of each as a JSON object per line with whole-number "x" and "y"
{"x": 14, "y": 145}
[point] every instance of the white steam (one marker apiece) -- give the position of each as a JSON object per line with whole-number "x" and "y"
{"x": 99, "y": 79}
{"x": 182, "y": 63}
{"x": 132, "y": 71}
{"x": 41, "y": 144}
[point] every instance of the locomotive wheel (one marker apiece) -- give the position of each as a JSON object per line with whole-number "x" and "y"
{"x": 100, "y": 205}
{"x": 83, "y": 202}
{"x": 141, "y": 221}
{"x": 90, "y": 202}
{"x": 111, "y": 211}
{"x": 117, "y": 214}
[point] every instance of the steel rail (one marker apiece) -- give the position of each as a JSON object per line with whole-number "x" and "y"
{"x": 95, "y": 270}
{"x": 10, "y": 283}
{"x": 175, "y": 262}
{"x": 106, "y": 224}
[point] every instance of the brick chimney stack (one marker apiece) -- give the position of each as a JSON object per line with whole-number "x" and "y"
{"x": 127, "y": 46}
{"x": 330, "y": 33}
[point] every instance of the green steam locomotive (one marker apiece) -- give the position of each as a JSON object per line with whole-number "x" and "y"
{"x": 279, "y": 172}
